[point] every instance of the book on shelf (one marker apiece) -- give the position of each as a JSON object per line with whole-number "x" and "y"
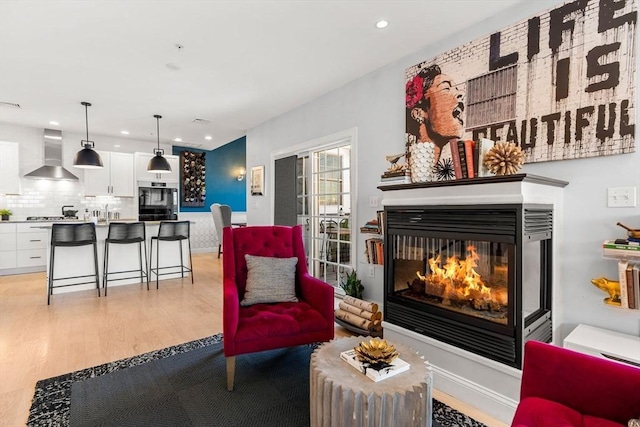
{"x": 397, "y": 366}
{"x": 484, "y": 146}
{"x": 631, "y": 294}
{"x": 455, "y": 158}
{"x": 463, "y": 159}
{"x": 622, "y": 278}
{"x": 469, "y": 147}
{"x": 395, "y": 174}
{"x": 380, "y": 216}
{"x": 636, "y": 284}
{"x": 620, "y": 250}
{"x": 394, "y": 181}
{"x": 374, "y": 251}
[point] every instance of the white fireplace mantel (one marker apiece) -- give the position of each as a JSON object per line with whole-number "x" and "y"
{"x": 480, "y": 382}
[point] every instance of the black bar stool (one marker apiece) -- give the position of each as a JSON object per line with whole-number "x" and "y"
{"x": 69, "y": 235}
{"x": 171, "y": 231}
{"x": 124, "y": 233}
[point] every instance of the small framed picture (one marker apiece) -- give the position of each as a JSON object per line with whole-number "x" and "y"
{"x": 257, "y": 181}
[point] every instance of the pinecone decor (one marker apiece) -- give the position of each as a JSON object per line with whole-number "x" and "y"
{"x": 505, "y": 158}
{"x": 377, "y": 354}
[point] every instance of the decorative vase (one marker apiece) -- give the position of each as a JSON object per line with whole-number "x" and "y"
{"x": 422, "y": 161}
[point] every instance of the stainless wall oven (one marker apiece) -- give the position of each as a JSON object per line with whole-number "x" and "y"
{"x": 157, "y": 202}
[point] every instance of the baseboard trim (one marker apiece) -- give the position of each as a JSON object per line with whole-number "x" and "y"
{"x": 497, "y": 402}
{"x": 204, "y": 250}
{"x": 476, "y": 395}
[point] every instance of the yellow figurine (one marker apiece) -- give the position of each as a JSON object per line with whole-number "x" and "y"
{"x": 612, "y": 287}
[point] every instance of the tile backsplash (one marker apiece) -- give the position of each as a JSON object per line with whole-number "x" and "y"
{"x": 40, "y": 197}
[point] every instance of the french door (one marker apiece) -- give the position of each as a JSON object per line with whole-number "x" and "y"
{"x": 324, "y": 209}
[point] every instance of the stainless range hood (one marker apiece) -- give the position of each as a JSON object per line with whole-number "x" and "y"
{"x": 52, "y": 168}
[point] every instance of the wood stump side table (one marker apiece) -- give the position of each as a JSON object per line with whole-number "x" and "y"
{"x": 340, "y": 396}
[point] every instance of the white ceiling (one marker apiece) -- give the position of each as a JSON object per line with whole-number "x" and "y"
{"x": 243, "y": 62}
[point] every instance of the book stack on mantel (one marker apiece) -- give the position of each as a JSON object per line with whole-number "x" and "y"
{"x": 402, "y": 176}
{"x": 396, "y": 367}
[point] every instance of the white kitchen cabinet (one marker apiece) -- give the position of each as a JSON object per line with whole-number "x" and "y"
{"x": 114, "y": 179}
{"x": 9, "y": 168}
{"x": 7, "y": 246}
{"x": 31, "y": 245}
{"x": 142, "y": 160}
{"x": 23, "y": 248}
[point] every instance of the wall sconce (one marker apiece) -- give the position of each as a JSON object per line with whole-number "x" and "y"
{"x": 241, "y": 174}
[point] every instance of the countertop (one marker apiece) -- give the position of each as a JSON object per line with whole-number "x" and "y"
{"x": 75, "y": 221}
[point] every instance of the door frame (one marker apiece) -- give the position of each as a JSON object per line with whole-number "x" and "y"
{"x": 346, "y": 136}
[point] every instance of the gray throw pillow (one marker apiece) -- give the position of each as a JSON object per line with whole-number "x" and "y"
{"x": 270, "y": 280}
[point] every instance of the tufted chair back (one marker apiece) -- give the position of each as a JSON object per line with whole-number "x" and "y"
{"x": 267, "y": 241}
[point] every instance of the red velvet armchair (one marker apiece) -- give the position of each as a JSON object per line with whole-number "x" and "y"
{"x": 266, "y": 326}
{"x": 562, "y": 387}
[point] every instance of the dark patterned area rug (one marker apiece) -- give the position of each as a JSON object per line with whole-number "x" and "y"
{"x": 185, "y": 385}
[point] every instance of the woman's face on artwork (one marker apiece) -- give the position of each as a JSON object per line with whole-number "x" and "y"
{"x": 444, "y": 108}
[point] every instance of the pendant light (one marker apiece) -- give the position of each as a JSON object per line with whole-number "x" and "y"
{"x": 87, "y": 158}
{"x": 158, "y": 164}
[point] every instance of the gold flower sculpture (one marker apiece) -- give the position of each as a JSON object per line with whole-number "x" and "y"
{"x": 376, "y": 353}
{"x": 505, "y": 158}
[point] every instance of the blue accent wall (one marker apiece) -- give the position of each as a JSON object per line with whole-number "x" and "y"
{"x": 223, "y": 165}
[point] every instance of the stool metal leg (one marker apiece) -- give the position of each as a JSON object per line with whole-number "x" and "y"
{"x": 157, "y": 263}
{"x": 190, "y": 260}
{"x": 95, "y": 266}
{"x": 50, "y": 281}
{"x": 150, "y": 257}
{"x": 181, "y": 261}
{"x": 105, "y": 267}
{"x": 145, "y": 262}
{"x": 140, "y": 260}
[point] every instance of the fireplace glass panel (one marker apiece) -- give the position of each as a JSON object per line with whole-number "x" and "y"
{"x": 470, "y": 277}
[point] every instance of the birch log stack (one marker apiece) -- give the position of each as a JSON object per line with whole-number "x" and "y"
{"x": 359, "y": 313}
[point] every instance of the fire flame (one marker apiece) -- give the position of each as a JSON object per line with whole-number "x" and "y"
{"x": 460, "y": 278}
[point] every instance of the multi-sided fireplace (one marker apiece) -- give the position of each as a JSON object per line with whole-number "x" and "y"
{"x": 477, "y": 277}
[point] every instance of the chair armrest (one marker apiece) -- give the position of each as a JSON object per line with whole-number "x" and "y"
{"x": 230, "y": 297}
{"x": 590, "y": 385}
{"x": 230, "y": 311}
{"x": 319, "y": 295}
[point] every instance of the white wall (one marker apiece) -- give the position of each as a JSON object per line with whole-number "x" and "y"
{"x": 374, "y": 104}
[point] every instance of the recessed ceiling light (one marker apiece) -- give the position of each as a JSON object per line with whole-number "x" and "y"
{"x": 124, "y": 132}
{"x": 116, "y": 145}
{"x": 382, "y": 24}
{"x": 53, "y": 122}
{"x": 208, "y": 138}
{"x": 177, "y": 140}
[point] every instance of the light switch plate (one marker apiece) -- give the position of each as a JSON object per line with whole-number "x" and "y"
{"x": 373, "y": 201}
{"x": 621, "y": 197}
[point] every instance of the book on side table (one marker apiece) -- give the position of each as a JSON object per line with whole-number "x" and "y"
{"x": 396, "y": 367}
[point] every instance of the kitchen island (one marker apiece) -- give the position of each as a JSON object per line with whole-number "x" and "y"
{"x": 78, "y": 261}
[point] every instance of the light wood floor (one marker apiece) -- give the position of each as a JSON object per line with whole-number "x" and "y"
{"x": 79, "y": 330}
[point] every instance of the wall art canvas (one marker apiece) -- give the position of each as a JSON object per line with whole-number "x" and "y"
{"x": 560, "y": 85}
{"x": 193, "y": 171}
{"x": 257, "y": 181}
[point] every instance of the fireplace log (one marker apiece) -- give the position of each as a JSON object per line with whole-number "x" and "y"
{"x": 355, "y": 320}
{"x": 360, "y": 311}
{"x": 366, "y": 305}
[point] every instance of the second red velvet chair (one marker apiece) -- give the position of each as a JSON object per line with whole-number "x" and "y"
{"x": 260, "y": 314}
